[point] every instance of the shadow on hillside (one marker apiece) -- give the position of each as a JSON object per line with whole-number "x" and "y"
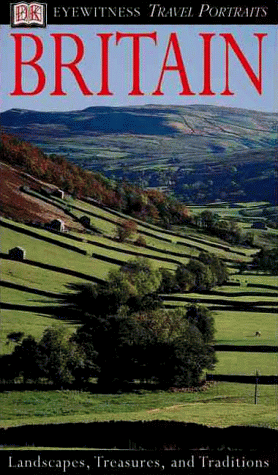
{"x": 92, "y": 387}
{"x": 49, "y": 311}
{"x": 55, "y": 269}
{"x": 142, "y": 435}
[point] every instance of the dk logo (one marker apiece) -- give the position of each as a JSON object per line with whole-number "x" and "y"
{"x": 28, "y": 14}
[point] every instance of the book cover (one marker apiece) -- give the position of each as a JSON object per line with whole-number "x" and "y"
{"x": 139, "y": 253}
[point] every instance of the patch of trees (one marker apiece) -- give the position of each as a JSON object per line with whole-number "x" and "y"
{"x": 267, "y": 260}
{"x": 56, "y": 358}
{"x": 131, "y": 288}
{"x": 126, "y": 229}
{"x": 125, "y": 335}
{"x": 224, "y": 229}
{"x": 271, "y": 215}
{"x": 249, "y": 177}
{"x": 149, "y": 205}
{"x": 199, "y": 274}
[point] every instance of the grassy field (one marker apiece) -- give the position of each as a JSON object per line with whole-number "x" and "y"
{"x": 189, "y": 241}
{"x": 18, "y": 297}
{"x": 225, "y": 210}
{"x": 238, "y": 328}
{"x": 258, "y": 279}
{"x": 222, "y": 404}
{"x": 230, "y": 362}
{"x": 31, "y": 323}
{"x": 36, "y": 277}
{"x": 47, "y": 253}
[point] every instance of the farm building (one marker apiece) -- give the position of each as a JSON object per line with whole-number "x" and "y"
{"x": 259, "y": 225}
{"x": 17, "y": 253}
{"x": 85, "y": 220}
{"x": 24, "y": 188}
{"x": 59, "y": 194}
{"x": 57, "y": 225}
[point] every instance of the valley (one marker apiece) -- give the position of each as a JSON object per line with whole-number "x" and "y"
{"x": 198, "y": 153}
{"x": 54, "y": 260}
{"x": 30, "y": 293}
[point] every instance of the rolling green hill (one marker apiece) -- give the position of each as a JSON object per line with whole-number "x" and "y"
{"x": 31, "y": 291}
{"x": 201, "y": 153}
{"x": 54, "y": 260}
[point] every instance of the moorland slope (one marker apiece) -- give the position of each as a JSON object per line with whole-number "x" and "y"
{"x": 201, "y": 153}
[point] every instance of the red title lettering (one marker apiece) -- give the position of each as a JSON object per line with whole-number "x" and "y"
{"x": 139, "y": 47}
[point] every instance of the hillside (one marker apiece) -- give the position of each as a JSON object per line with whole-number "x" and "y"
{"x": 201, "y": 153}
{"x": 27, "y": 208}
{"x": 87, "y": 253}
{"x": 33, "y": 166}
{"x": 84, "y": 252}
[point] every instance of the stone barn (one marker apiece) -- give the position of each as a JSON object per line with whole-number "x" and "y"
{"x": 59, "y": 194}
{"x": 57, "y": 225}
{"x": 17, "y": 253}
{"x": 24, "y": 188}
{"x": 85, "y": 221}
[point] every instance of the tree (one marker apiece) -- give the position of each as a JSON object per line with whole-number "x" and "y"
{"x": 169, "y": 281}
{"x": 267, "y": 260}
{"x": 168, "y": 347}
{"x": 28, "y": 359}
{"x": 9, "y": 369}
{"x": 201, "y": 317}
{"x": 203, "y": 277}
{"x": 200, "y": 273}
{"x": 90, "y": 299}
{"x": 228, "y": 231}
{"x": 130, "y": 337}
{"x": 185, "y": 279}
{"x": 130, "y": 287}
{"x": 140, "y": 241}
{"x": 208, "y": 220}
{"x": 63, "y": 357}
{"x": 58, "y": 358}
{"x": 15, "y": 336}
{"x": 126, "y": 229}
{"x": 217, "y": 266}
{"x": 82, "y": 360}
{"x": 181, "y": 347}
{"x": 114, "y": 343}
{"x": 136, "y": 278}
{"x": 189, "y": 358}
